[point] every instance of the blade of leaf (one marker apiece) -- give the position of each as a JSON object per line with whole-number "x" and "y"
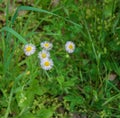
{"x": 111, "y": 99}
{"x": 28, "y": 8}
{"x": 21, "y": 39}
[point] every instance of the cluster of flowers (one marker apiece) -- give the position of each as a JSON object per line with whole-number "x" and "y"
{"x": 44, "y": 55}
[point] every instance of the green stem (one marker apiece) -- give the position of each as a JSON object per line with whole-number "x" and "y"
{"x": 11, "y": 95}
{"x": 9, "y": 103}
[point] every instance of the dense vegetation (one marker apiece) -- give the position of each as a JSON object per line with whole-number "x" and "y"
{"x": 82, "y": 84}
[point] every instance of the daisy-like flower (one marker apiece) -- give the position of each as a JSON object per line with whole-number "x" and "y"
{"x": 29, "y": 49}
{"x": 43, "y": 54}
{"x": 46, "y": 45}
{"x": 46, "y": 64}
{"x": 70, "y": 46}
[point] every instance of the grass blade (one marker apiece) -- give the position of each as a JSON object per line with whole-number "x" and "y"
{"x": 28, "y": 8}
{"x": 10, "y": 30}
{"x": 111, "y": 99}
{"x": 11, "y": 94}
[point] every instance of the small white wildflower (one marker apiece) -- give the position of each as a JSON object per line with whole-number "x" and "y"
{"x": 43, "y": 54}
{"x": 46, "y": 45}
{"x": 46, "y": 64}
{"x": 70, "y": 46}
{"x": 29, "y": 49}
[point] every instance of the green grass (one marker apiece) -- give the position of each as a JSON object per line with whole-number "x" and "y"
{"x": 82, "y": 84}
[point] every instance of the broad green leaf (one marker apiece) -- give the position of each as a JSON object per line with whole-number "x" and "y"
{"x": 74, "y": 100}
{"x": 45, "y": 113}
{"x": 25, "y": 99}
{"x": 35, "y": 88}
{"x": 27, "y": 115}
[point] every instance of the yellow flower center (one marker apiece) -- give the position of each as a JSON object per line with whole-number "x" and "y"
{"x": 47, "y": 45}
{"x": 43, "y": 55}
{"x": 71, "y": 46}
{"x": 47, "y": 63}
{"x": 29, "y": 48}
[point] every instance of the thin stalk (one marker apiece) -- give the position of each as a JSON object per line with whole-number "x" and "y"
{"x": 11, "y": 95}
{"x": 92, "y": 45}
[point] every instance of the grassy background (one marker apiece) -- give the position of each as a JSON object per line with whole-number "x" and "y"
{"x": 84, "y": 84}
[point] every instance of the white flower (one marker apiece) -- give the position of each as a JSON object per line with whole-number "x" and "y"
{"x": 43, "y": 54}
{"x": 70, "y": 46}
{"x": 46, "y": 45}
{"x": 29, "y": 49}
{"x": 46, "y": 64}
